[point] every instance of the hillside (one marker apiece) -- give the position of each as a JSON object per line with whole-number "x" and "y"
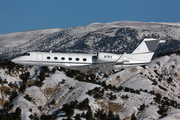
{"x": 143, "y": 92}
{"x": 114, "y": 37}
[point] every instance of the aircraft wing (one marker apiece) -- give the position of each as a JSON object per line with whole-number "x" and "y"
{"x": 103, "y": 66}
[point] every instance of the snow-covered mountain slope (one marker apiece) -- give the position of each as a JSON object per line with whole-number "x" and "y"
{"x": 114, "y": 37}
{"x": 145, "y": 92}
{"x": 12, "y": 41}
{"x": 22, "y": 37}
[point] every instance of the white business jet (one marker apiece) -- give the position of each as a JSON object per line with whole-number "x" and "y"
{"x": 92, "y": 62}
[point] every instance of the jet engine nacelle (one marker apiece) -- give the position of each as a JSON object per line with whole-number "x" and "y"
{"x": 107, "y": 57}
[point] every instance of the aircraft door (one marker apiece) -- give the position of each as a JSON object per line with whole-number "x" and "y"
{"x": 40, "y": 57}
{"x": 94, "y": 59}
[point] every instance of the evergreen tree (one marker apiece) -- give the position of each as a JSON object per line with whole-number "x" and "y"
{"x": 78, "y": 117}
{"x": 142, "y": 107}
{"x": 133, "y": 117}
{"x": 31, "y": 117}
{"x": 110, "y": 115}
{"x": 117, "y": 117}
{"x": 53, "y": 70}
{"x": 17, "y": 114}
{"x": 89, "y": 115}
{"x": 99, "y": 114}
{"x": 28, "y": 97}
{"x": 69, "y": 112}
{"x": 84, "y": 105}
{"x": 158, "y": 97}
{"x": 90, "y": 92}
{"x": 73, "y": 104}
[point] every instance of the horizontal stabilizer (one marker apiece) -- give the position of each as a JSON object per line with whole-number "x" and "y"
{"x": 148, "y": 45}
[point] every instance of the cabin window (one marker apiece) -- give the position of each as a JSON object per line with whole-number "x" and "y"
{"x": 28, "y": 54}
{"x": 48, "y": 58}
{"x": 84, "y": 59}
{"x": 62, "y": 58}
{"x": 55, "y": 58}
{"x": 77, "y": 59}
{"x": 70, "y": 59}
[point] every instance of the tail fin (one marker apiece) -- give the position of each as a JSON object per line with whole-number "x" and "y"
{"x": 148, "y": 45}
{"x": 145, "y": 51}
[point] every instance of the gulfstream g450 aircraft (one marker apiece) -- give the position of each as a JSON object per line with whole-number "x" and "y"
{"x": 92, "y": 62}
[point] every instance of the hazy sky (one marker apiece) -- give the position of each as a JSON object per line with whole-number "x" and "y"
{"x": 23, "y": 15}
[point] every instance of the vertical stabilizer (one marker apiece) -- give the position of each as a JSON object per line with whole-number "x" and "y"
{"x": 145, "y": 51}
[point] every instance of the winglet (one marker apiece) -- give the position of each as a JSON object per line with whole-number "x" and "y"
{"x": 162, "y": 41}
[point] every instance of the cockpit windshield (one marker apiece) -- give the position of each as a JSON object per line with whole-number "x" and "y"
{"x": 27, "y": 54}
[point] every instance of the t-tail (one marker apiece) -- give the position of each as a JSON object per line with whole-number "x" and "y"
{"x": 145, "y": 51}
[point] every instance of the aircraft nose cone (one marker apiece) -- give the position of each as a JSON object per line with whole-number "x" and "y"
{"x": 14, "y": 60}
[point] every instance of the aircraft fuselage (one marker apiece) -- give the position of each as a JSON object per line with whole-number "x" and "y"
{"x": 92, "y": 62}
